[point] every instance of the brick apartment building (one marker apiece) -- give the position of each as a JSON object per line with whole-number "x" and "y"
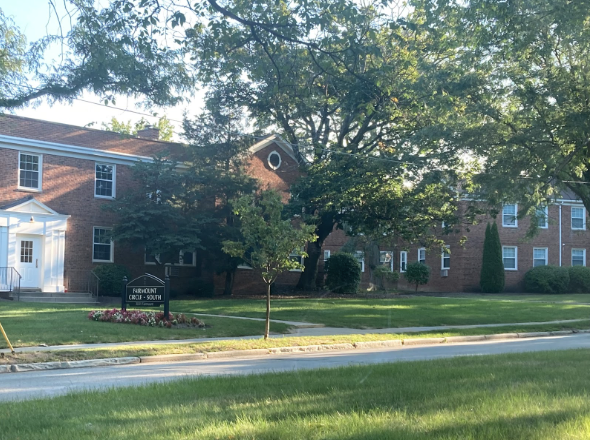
{"x": 55, "y": 178}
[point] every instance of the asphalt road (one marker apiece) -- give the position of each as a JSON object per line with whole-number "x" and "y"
{"x": 31, "y": 385}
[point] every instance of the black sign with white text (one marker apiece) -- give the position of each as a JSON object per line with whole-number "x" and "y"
{"x": 146, "y": 290}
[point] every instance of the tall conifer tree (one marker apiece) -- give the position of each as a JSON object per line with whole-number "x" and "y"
{"x": 492, "y": 267}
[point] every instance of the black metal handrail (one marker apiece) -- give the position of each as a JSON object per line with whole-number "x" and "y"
{"x": 10, "y": 280}
{"x": 93, "y": 284}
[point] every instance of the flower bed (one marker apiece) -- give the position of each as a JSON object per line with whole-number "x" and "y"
{"x": 150, "y": 319}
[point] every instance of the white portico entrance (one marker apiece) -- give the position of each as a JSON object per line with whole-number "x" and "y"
{"x": 32, "y": 240}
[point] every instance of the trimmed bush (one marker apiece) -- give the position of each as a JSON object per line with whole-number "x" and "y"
{"x": 491, "y": 278}
{"x": 579, "y": 279}
{"x": 417, "y": 273}
{"x": 547, "y": 279}
{"x": 111, "y": 276}
{"x": 343, "y": 273}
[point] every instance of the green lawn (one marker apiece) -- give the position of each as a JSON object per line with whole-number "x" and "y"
{"x": 517, "y": 396}
{"x": 30, "y": 324}
{"x": 567, "y": 297}
{"x": 386, "y": 313}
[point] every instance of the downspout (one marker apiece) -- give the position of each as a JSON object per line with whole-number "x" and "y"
{"x": 560, "y": 245}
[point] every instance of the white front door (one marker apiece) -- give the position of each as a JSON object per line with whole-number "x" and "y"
{"x": 28, "y": 257}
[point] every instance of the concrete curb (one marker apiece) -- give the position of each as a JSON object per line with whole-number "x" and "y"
{"x": 17, "y": 368}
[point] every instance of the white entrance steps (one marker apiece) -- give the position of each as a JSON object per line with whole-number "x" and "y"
{"x": 35, "y": 295}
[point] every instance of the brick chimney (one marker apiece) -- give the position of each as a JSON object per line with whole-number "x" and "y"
{"x": 149, "y": 132}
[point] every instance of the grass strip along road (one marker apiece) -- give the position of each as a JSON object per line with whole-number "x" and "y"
{"x": 246, "y": 344}
{"x": 540, "y": 395}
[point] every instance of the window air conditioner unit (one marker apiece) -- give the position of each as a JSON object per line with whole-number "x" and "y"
{"x": 444, "y": 273}
{"x": 172, "y": 271}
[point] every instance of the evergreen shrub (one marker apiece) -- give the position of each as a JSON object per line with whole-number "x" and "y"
{"x": 111, "y": 278}
{"x": 417, "y": 273}
{"x": 579, "y": 279}
{"x": 547, "y": 279}
{"x": 343, "y": 273}
{"x": 492, "y": 267}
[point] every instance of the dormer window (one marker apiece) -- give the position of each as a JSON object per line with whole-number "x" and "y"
{"x": 274, "y": 160}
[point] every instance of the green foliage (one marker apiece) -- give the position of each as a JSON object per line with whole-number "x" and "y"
{"x": 268, "y": 240}
{"x": 384, "y": 273}
{"x": 111, "y": 278}
{"x": 163, "y": 218}
{"x": 343, "y": 273}
{"x": 417, "y": 273}
{"x": 492, "y": 267}
{"x": 127, "y": 128}
{"x": 579, "y": 279}
{"x": 108, "y": 51}
{"x": 522, "y": 91}
{"x": 547, "y": 279}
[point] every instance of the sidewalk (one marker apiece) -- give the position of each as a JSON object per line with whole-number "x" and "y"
{"x": 302, "y": 329}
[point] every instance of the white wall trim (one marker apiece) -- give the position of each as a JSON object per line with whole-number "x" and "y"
{"x": 40, "y": 147}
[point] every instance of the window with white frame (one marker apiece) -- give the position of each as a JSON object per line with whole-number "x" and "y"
{"x": 403, "y": 261}
{"x": 187, "y": 258}
{"x": 578, "y": 218}
{"x": 30, "y": 168}
{"x": 509, "y": 219}
{"x": 360, "y": 257}
{"x": 445, "y": 258}
{"x": 578, "y": 257}
{"x": 296, "y": 256}
{"x": 326, "y": 255}
{"x": 422, "y": 255}
{"x": 543, "y": 217}
{"x": 539, "y": 257}
{"x": 510, "y": 257}
{"x": 104, "y": 180}
{"x": 102, "y": 245}
{"x": 386, "y": 259}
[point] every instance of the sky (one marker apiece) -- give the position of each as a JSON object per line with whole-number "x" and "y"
{"x": 35, "y": 20}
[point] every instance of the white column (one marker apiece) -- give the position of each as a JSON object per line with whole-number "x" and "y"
{"x": 3, "y": 246}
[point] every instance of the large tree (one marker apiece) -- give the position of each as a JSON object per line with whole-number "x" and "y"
{"x": 354, "y": 92}
{"x": 525, "y": 93}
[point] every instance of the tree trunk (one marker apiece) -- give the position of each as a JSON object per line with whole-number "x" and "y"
{"x": 267, "y": 325}
{"x": 230, "y": 276}
{"x": 307, "y": 280}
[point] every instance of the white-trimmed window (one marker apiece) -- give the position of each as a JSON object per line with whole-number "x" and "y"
{"x": 326, "y": 255}
{"x": 510, "y": 257}
{"x": 102, "y": 245}
{"x": 540, "y": 257}
{"x": 386, "y": 259}
{"x": 543, "y": 217}
{"x": 445, "y": 258}
{"x": 360, "y": 257}
{"x": 274, "y": 160}
{"x": 187, "y": 258}
{"x": 296, "y": 256}
{"x": 30, "y": 167}
{"x": 578, "y": 257}
{"x": 578, "y": 218}
{"x": 509, "y": 219}
{"x": 422, "y": 255}
{"x": 104, "y": 180}
{"x": 403, "y": 261}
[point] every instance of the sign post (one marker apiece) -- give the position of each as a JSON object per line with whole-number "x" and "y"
{"x": 123, "y": 295}
{"x": 147, "y": 290}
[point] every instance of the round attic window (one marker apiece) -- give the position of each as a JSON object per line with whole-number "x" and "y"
{"x": 274, "y": 160}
